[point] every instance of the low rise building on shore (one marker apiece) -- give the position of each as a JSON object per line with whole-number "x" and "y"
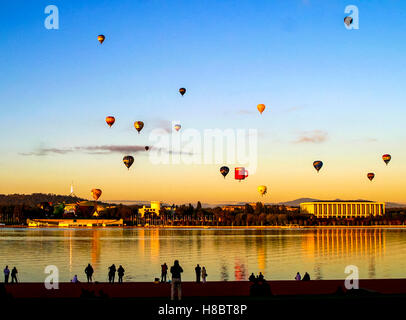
{"x": 343, "y": 209}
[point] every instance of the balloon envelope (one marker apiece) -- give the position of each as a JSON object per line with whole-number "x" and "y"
{"x": 101, "y": 38}
{"x": 240, "y": 173}
{"x": 224, "y": 171}
{"x": 110, "y": 120}
{"x": 138, "y": 125}
{"x": 261, "y": 108}
{"x": 96, "y": 193}
{"x": 317, "y": 165}
{"x": 386, "y": 158}
{"x": 177, "y": 127}
{"x": 371, "y": 175}
{"x": 182, "y": 91}
{"x": 146, "y": 148}
{"x": 128, "y": 161}
{"x": 262, "y": 190}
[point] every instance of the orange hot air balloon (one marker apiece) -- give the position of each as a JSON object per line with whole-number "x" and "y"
{"x": 138, "y": 125}
{"x": 96, "y": 193}
{"x": 371, "y": 176}
{"x": 101, "y": 38}
{"x": 182, "y": 91}
{"x": 177, "y": 127}
{"x": 110, "y": 120}
{"x": 386, "y": 158}
{"x": 261, "y": 108}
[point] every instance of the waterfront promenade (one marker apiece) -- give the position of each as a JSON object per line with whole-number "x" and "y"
{"x": 199, "y": 290}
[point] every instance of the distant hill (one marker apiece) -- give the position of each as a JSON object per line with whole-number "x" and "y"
{"x": 35, "y": 198}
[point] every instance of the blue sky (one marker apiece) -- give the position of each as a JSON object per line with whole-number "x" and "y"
{"x": 57, "y": 86}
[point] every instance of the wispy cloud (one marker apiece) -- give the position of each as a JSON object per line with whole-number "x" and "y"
{"x": 102, "y": 150}
{"x": 315, "y": 136}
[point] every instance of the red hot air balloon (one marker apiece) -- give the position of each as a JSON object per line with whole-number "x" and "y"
{"x": 138, "y": 125}
{"x": 371, "y": 176}
{"x": 240, "y": 173}
{"x": 110, "y": 120}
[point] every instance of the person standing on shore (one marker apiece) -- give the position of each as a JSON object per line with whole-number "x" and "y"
{"x": 14, "y": 275}
{"x": 112, "y": 273}
{"x": 89, "y": 272}
{"x": 204, "y": 274}
{"x": 164, "y": 271}
{"x": 298, "y": 277}
{"x": 120, "y": 273}
{"x": 306, "y": 277}
{"x": 198, "y": 273}
{"x": 176, "y": 270}
{"x": 6, "y": 274}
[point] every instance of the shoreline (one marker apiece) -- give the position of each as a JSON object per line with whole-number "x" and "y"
{"x": 212, "y": 227}
{"x": 199, "y": 290}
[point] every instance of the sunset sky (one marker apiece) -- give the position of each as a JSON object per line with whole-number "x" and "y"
{"x": 331, "y": 94}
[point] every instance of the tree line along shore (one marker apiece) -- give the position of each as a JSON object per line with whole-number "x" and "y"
{"x": 16, "y": 209}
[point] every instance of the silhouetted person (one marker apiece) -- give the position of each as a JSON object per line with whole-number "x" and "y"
{"x": 176, "y": 271}
{"x": 14, "y": 275}
{"x": 204, "y": 274}
{"x": 89, "y": 272}
{"x": 6, "y": 274}
{"x": 112, "y": 273}
{"x": 198, "y": 271}
{"x": 252, "y": 277}
{"x": 164, "y": 271}
{"x": 261, "y": 277}
{"x": 75, "y": 279}
{"x": 298, "y": 277}
{"x": 120, "y": 273}
{"x": 306, "y": 277}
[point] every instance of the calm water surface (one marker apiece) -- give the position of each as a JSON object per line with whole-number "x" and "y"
{"x": 227, "y": 254}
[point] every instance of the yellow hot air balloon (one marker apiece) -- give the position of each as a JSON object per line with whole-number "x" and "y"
{"x": 101, "y": 38}
{"x": 261, "y": 108}
{"x": 138, "y": 125}
{"x": 262, "y": 190}
{"x": 96, "y": 193}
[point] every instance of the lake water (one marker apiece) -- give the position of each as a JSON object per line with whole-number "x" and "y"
{"x": 227, "y": 254}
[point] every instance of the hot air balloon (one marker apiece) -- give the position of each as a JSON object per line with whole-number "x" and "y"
{"x": 177, "y": 127}
{"x": 110, "y": 120}
{"x": 138, "y": 125}
{"x": 128, "y": 161}
{"x": 96, "y": 193}
{"x": 262, "y": 190}
{"x": 317, "y": 165}
{"x": 224, "y": 171}
{"x": 101, "y": 38}
{"x": 386, "y": 158}
{"x": 240, "y": 173}
{"x": 348, "y": 20}
{"x": 371, "y": 175}
{"x": 146, "y": 148}
{"x": 261, "y": 108}
{"x": 182, "y": 91}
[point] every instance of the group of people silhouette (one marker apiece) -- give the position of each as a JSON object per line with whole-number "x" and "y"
{"x": 111, "y": 274}
{"x": 13, "y": 273}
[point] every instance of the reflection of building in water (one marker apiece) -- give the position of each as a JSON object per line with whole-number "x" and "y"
{"x": 343, "y": 209}
{"x": 95, "y": 247}
{"x": 345, "y": 242}
{"x": 261, "y": 258}
{"x": 224, "y": 273}
{"x": 239, "y": 271}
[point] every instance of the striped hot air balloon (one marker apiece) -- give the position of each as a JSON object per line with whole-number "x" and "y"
{"x": 96, "y": 193}
{"x": 386, "y": 158}
{"x": 128, "y": 161}
{"x": 371, "y": 176}
{"x": 182, "y": 91}
{"x": 317, "y": 165}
